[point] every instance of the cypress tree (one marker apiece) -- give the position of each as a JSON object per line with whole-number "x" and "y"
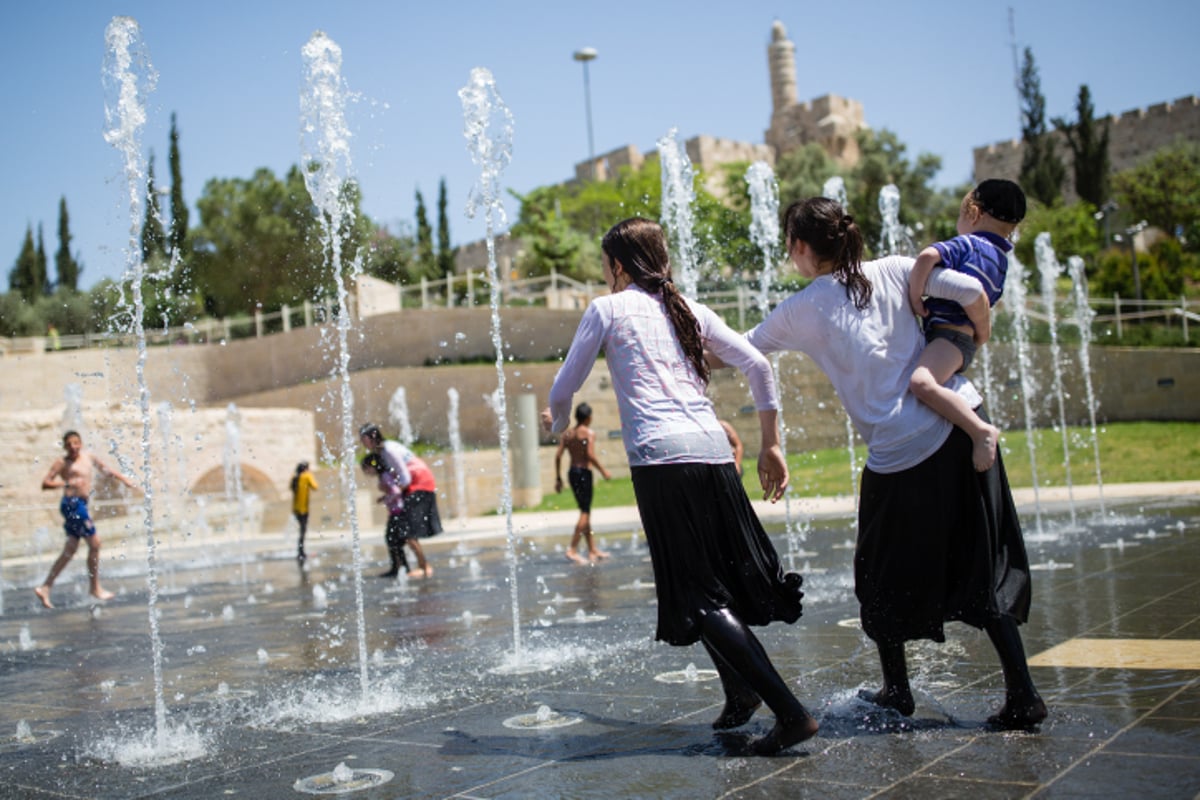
{"x": 426, "y": 261}
{"x": 1042, "y": 173}
{"x": 65, "y": 265}
{"x": 177, "y": 234}
{"x": 41, "y": 276}
{"x": 445, "y": 253}
{"x": 21, "y": 279}
{"x": 154, "y": 238}
{"x": 1089, "y": 148}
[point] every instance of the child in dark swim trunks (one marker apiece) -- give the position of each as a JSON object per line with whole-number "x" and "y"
{"x": 580, "y": 442}
{"x": 74, "y": 473}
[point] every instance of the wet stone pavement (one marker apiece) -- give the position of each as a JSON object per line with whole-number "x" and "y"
{"x": 264, "y": 679}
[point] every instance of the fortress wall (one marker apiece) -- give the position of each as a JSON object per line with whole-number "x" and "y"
{"x": 1133, "y": 136}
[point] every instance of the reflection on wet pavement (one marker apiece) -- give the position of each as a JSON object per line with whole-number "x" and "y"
{"x": 262, "y": 690}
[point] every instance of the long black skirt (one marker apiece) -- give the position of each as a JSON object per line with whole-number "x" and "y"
{"x": 938, "y": 542}
{"x": 709, "y": 550}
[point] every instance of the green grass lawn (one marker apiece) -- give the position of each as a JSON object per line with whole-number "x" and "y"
{"x": 1130, "y": 452}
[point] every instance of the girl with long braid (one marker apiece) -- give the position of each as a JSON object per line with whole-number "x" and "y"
{"x": 715, "y": 570}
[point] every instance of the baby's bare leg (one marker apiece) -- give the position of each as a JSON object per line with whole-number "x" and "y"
{"x": 939, "y": 361}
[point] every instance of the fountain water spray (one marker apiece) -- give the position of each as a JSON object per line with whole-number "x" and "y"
{"x": 1014, "y": 285}
{"x": 764, "y": 234}
{"x": 1083, "y": 318}
{"x": 894, "y": 238}
{"x": 234, "y": 492}
{"x": 325, "y": 143}
{"x": 678, "y": 194}
{"x": 488, "y": 128}
{"x": 456, "y": 449}
{"x": 398, "y": 414}
{"x": 1049, "y": 270}
{"x": 128, "y": 77}
{"x": 835, "y": 189}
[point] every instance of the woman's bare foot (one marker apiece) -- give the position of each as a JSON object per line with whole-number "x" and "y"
{"x": 102, "y": 594}
{"x": 428, "y": 570}
{"x": 784, "y": 735}
{"x": 899, "y": 700}
{"x": 1019, "y": 716}
{"x": 983, "y": 454}
{"x": 572, "y": 555}
{"x": 43, "y": 593}
{"x": 596, "y": 555}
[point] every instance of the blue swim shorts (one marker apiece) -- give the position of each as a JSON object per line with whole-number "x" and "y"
{"x": 76, "y": 521}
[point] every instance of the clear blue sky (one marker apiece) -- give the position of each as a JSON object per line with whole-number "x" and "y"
{"x": 939, "y": 74}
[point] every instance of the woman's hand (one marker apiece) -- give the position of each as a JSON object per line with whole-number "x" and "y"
{"x": 772, "y": 472}
{"x": 547, "y": 420}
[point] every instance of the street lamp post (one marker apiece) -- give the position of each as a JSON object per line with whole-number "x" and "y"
{"x": 1131, "y": 236}
{"x": 584, "y": 55}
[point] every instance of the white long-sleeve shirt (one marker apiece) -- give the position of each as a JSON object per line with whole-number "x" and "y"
{"x": 870, "y": 355}
{"x": 665, "y": 416}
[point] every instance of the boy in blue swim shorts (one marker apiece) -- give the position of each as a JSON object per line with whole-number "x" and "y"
{"x": 74, "y": 474}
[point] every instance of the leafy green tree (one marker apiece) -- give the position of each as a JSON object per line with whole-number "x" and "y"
{"x": 802, "y": 173}
{"x": 154, "y": 238}
{"x": 445, "y": 253}
{"x": 426, "y": 259}
{"x": 1042, "y": 173}
{"x": 1072, "y": 232}
{"x": 177, "y": 235}
{"x": 1161, "y": 271}
{"x": 1165, "y": 191}
{"x": 66, "y": 266}
{"x": 884, "y": 161}
{"x": 391, "y": 257}
{"x": 1088, "y": 141}
{"x": 259, "y": 244}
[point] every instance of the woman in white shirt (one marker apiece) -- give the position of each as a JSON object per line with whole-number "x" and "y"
{"x": 937, "y": 541}
{"x": 715, "y": 570}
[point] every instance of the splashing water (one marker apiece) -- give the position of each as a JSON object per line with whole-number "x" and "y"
{"x": 456, "y": 450}
{"x": 1050, "y": 269}
{"x": 325, "y": 143}
{"x": 1014, "y": 285}
{"x": 398, "y": 414}
{"x": 128, "y": 78}
{"x": 1083, "y": 319}
{"x": 894, "y": 238}
{"x": 764, "y": 234}
{"x": 835, "y": 189}
{"x": 234, "y": 492}
{"x": 488, "y": 128}
{"x": 678, "y": 194}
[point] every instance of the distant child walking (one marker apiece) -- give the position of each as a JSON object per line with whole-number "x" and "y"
{"x": 303, "y": 485}
{"x": 580, "y": 443}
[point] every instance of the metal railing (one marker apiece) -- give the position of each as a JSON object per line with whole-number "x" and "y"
{"x": 739, "y": 304}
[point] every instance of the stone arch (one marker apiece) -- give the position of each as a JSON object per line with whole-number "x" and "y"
{"x": 254, "y": 481}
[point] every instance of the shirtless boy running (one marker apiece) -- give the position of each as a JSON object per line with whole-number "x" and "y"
{"x": 73, "y": 473}
{"x": 580, "y": 443}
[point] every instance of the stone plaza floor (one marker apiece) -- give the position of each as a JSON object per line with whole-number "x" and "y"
{"x": 271, "y": 687}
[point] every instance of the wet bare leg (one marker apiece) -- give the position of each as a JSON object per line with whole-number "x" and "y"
{"x": 64, "y": 558}
{"x": 422, "y": 565}
{"x": 896, "y": 693}
{"x": 594, "y": 552}
{"x": 93, "y": 564}
{"x": 581, "y": 527}
{"x": 1023, "y": 706}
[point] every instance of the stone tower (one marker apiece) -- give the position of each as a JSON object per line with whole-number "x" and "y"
{"x": 829, "y": 120}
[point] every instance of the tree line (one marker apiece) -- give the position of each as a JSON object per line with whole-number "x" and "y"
{"x": 258, "y": 245}
{"x": 258, "y": 242}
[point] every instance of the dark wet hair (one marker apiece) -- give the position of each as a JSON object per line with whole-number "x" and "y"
{"x": 582, "y": 412}
{"x": 640, "y": 246}
{"x": 69, "y": 434}
{"x": 371, "y": 431}
{"x": 303, "y": 465}
{"x": 372, "y": 461}
{"x": 833, "y": 235}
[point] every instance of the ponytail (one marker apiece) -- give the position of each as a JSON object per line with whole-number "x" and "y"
{"x": 834, "y": 237}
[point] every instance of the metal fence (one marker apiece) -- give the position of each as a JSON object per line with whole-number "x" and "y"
{"x": 739, "y": 303}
